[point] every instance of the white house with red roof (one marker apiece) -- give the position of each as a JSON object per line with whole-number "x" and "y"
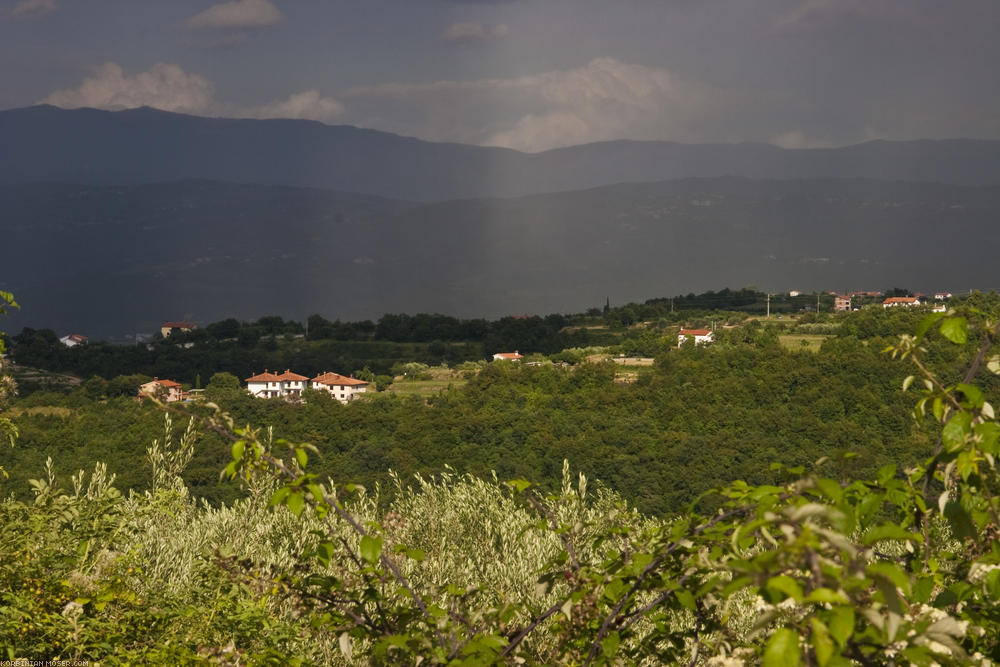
{"x": 167, "y": 391}
{"x": 342, "y": 388}
{"x": 293, "y": 383}
{"x": 265, "y": 385}
{"x": 907, "y": 301}
{"x": 168, "y": 328}
{"x": 73, "y": 339}
{"x": 700, "y": 336}
{"x": 508, "y": 356}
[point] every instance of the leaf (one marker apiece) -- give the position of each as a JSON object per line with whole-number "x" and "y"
{"x": 685, "y": 598}
{"x": 926, "y": 323}
{"x": 302, "y": 457}
{"x": 519, "y": 485}
{"x": 954, "y": 432}
{"x": 324, "y": 552}
{"x": 609, "y": 645}
{"x": 891, "y": 572}
{"x": 785, "y": 584}
{"x": 371, "y": 548}
{"x": 782, "y": 649}
{"x": 296, "y": 503}
{"x": 907, "y": 382}
{"x": 238, "y": 447}
{"x": 824, "y": 595}
{"x": 973, "y": 395}
{"x": 959, "y": 519}
{"x": 278, "y": 496}
{"x": 841, "y": 624}
{"x": 821, "y": 642}
{"x": 955, "y": 329}
{"x": 885, "y": 473}
{"x": 890, "y": 531}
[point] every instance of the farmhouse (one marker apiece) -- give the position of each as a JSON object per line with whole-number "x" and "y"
{"x": 73, "y": 339}
{"x": 508, "y": 356}
{"x": 700, "y": 336}
{"x": 342, "y": 388}
{"x": 167, "y": 391}
{"x": 841, "y": 303}
{"x": 168, "y": 328}
{"x": 265, "y": 385}
{"x": 293, "y": 384}
{"x": 908, "y": 301}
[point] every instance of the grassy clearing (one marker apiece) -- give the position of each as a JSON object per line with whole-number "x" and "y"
{"x": 809, "y": 342}
{"x": 424, "y": 388}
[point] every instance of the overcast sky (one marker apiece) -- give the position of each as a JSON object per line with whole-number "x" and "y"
{"x": 527, "y": 74}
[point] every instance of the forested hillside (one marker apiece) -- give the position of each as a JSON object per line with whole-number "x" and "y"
{"x": 698, "y": 418}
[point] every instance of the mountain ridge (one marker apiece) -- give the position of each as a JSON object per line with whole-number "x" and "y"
{"x": 145, "y": 145}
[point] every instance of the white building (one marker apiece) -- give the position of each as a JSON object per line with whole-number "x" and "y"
{"x": 908, "y": 301}
{"x": 72, "y": 340}
{"x": 265, "y": 385}
{"x": 700, "y": 336}
{"x": 168, "y": 328}
{"x": 167, "y": 391}
{"x": 293, "y": 384}
{"x": 342, "y": 388}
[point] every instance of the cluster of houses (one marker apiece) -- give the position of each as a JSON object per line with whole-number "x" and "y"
{"x": 843, "y": 302}
{"x": 289, "y": 385}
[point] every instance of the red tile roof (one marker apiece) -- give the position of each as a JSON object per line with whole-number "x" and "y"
{"x": 901, "y": 299}
{"x": 695, "y": 332}
{"x": 264, "y": 377}
{"x": 337, "y": 379}
{"x": 509, "y": 355}
{"x": 289, "y": 376}
{"x": 167, "y": 383}
{"x": 179, "y": 325}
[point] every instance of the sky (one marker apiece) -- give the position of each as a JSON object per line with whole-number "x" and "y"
{"x": 527, "y": 74}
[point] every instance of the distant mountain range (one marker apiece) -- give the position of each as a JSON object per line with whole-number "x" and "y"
{"x": 112, "y": 260}
{"x": 91, "y": 147}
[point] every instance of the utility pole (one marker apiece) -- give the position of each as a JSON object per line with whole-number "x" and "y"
{"x": 817, "y": 302}
{"x": 768, "y": 305}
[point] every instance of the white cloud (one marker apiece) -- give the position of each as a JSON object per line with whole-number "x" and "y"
{"x": 308, "y": 104}
{"x": 33, "y": 8}
{"x": 473, "y": 31}
{"x": 602, "y": 100}
{"x": 168, "y": 87}
{"x": 164, "y": 86}
{"x": 237, "y": 14}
